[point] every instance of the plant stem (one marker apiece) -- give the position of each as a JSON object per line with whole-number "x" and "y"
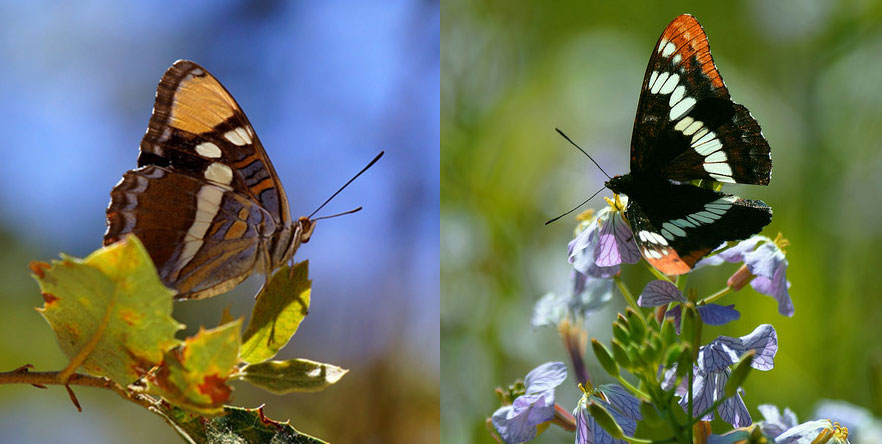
{"x": 717, "y": 295}
{"x": 626, "y": 293}
{"x": 633, "y": 389}
{"x": 22, "y": 375}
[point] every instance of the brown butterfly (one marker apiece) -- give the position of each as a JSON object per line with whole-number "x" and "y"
{"x": 205, "y": 199}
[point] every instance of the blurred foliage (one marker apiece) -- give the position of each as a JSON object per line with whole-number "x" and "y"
{"x": 514, "y": 71}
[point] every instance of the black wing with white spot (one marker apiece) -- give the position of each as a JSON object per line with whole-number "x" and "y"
{"x": 687, "y": 127}
{"x": 675, "y": 225}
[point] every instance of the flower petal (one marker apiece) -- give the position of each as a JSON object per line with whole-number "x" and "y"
{"x": 764, "y": 340}
{"x": 715, "y": 314}
{"x": 513, "y": 428}
{"x": 550, "y": 310}
{"x": 765, "y": 260}
{"x": 622, "y": 401}
{"x": 777, "y": 287}
{"x": 733, "y": 410}
{"x": 544, "y": 378}
{"x": 734, "y": 253}
{"x": 616, "y": 242}
{"x": 658, "y": 293}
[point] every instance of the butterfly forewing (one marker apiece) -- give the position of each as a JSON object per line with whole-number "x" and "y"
{"x": 687, "y": 127}
{"x": 205, "y": 200}
{"x": 197, "y": 123}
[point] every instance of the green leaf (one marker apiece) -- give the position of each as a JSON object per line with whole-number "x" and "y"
{"x": 110, "y": 312}
{"x": 236, "y": 425}
{"x": 280, "y": 308}
{"x": 194, "y": 375}
{"x": 296, "y": 375}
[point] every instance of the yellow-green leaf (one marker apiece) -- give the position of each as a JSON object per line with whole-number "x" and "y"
{"x": 279, "y": 309}
{"x": 110, "y": 312}
{"x": 236, "y": 425}
{"x": 296, "y": 375}
{"x": 194, "y": 375}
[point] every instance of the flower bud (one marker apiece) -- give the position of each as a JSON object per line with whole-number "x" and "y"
{"x": 605, "y": 358}
{"x": 620, "y": 354}
{"x": 621, "y": 333}
{"x": 605, "y": 420}
{"x": 741, "y": 278}
{"x": 637, "y": 323}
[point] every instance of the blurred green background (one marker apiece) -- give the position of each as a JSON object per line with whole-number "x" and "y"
{"x": 326, "y": 85}
{"x": 810, "y": 73}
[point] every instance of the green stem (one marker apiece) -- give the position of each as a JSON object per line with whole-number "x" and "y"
{"x": 717, "y": 295}
{"x": 626, "y": 293}
{"x": 681, "y": 283}
{"x": 633, "y": 389}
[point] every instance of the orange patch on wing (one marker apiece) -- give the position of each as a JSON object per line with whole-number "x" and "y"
{"x": 199, "y": 104}
{"x": 690, "y": 40}
{"x": 669, "y": 264}
{"x": 264, "y": 184}
{"x": 236, "y": 230}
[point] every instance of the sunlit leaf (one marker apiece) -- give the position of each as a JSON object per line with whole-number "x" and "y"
{"x": 194, "y": 375}
{"x": 279, "y": 309}
{"x": 110, "y": 311}
{"x": 235, "y": 425}
{"x": 296, "y": 375}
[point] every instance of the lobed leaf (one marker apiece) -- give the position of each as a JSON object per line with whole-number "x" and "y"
{"x": 194, "y": 375}
{"x": 110, "y": 312}
{"x": 296, "y": 375}
{"x": 280, "y": 307}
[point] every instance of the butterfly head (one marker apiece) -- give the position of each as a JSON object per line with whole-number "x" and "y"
{"x": 305, "y": 227}
{"x": 620, "y": 184}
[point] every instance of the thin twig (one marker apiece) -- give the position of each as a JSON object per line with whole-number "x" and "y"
{"x": 21, "y": 375}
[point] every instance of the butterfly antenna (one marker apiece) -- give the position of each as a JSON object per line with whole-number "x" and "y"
{"x": 344, "y": 186}
{"x": 338, "y": 214}
{"x": 583, "y": 152}
{"x": 577, "y": 206}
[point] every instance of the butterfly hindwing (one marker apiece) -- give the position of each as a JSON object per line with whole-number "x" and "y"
{"x": 675, "y": 225}
{"x": 687, "y": 127}
{"x": 203, "y": 238}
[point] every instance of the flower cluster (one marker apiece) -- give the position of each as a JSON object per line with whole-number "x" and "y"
{"x": 657, "y": 343}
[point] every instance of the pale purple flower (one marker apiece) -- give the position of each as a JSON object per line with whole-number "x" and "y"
{"x": 623, "y": 407}
{"x": 766, "y": 263}
{"x": 604, "y": 244}
{"x": 587, "y": 296}
{"x": 711, "y": 373}
{"x": 517, "y": 423}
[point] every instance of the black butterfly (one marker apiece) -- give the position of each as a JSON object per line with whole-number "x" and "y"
{"x": 688, "y": 128}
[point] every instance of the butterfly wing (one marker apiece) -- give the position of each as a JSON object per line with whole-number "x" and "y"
{"x": 687, "y": 126}
{"x": 203, "y": 238}
{"x": 205, "y": 200}
{"x": 675, "y": 225}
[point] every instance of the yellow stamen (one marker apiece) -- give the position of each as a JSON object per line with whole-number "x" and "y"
{"x": 616, "y": 204}
{"x": 781, "y": 242}
{"x": 585, "y": 215}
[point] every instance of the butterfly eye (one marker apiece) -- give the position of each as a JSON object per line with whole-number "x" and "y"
{"x": 307, "y": 226}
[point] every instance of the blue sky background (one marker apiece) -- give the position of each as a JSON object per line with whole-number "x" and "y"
{"x": 326, "y": 85}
